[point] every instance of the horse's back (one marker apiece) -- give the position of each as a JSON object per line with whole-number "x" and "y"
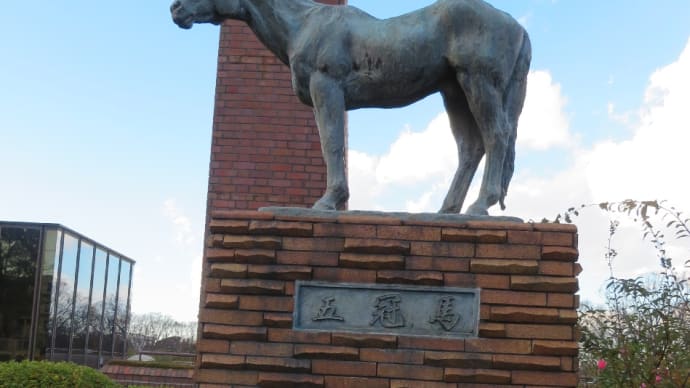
{"x": 399, "y": 60}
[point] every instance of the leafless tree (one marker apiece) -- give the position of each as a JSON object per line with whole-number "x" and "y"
{"x": 151, "y": 331}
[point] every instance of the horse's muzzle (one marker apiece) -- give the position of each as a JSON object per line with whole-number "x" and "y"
{"x": 180, "y": 16}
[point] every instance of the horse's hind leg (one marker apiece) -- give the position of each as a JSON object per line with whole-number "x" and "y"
{"x": 470, "y": 146}
{"x": 513, "y": 102}
{"x": 486, "y": 103}
{"x": 329, "y": 110}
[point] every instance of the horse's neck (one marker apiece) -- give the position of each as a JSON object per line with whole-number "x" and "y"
{"x": 275, "y": 22}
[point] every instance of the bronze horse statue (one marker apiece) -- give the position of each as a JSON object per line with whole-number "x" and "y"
{"x": 342, "y": 58}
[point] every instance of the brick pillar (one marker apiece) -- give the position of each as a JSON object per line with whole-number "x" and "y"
{"x": 265, "y": 149}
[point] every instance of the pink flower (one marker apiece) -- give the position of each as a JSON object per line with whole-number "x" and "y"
{"x": 643, "y": 385}
{"x": 658, "y": 379}
{"x": 601, "y": 364}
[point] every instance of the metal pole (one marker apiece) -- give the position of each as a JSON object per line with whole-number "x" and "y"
{"x": 117, "y": 296}
{"x": 74, "y": 301}
{"x": 35, "y": 313}
{"x": 129, "y": 298}
{"x": 88, "y": 309}
{"x": 57, "y": 294}
{"x": 101, "y": 328}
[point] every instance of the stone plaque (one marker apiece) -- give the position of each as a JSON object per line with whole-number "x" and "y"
{"x": 386, "y": 309}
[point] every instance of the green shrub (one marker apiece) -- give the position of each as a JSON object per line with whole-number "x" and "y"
{"x": 640, "y": 337}
{"x": 44, "y": 374}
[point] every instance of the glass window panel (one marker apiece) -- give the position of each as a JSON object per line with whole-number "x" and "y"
{"x": 110, "y": 305}
{"x": 51, "y": 247}
{"x": 81, "y": 301}
{"x": 96, "y": 310}
{"x": 65, "y": 297}
{"x": 18, "y": 256}
{"x": 122, "y": 309}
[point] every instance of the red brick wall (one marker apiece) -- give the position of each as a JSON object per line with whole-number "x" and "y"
{"x": 526, "y": 274}
{"x": 265, "y": 147}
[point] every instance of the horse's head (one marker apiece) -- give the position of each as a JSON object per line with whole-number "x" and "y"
{"x": 187, "y": 12}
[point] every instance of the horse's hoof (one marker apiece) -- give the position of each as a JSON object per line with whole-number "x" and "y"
{"x": 475, "y": 210}
{"x": 332, "y": 200}
{"x": 448, "y": 211}
{"x": 323, "y": 205}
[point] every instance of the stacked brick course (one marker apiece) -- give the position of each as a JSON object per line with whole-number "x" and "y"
{"x": 265, "y": 146}
{"x": 154, "y": 377}
{"x": 526, "y": 273}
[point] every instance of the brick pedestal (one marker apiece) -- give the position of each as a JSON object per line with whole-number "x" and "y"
{"x": 526, "y": 274}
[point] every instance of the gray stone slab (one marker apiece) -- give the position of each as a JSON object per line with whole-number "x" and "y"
{"x": 426, "y": 217}
{"x": 386, "y": 309}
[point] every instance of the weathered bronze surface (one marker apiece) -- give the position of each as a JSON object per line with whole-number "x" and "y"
{"x": 342, "y": 58}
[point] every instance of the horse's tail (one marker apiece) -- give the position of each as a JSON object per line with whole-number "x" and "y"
{"x": 513, "y": 100}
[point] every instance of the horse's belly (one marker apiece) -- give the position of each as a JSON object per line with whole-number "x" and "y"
{"x": 391, "y": 99}
{"x": 364, "y": 90}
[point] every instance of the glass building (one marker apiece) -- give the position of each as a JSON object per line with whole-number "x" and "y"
{"x": 63, "y": 297}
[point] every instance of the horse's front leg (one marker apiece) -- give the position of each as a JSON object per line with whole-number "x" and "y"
{"x": 329, "y": 110}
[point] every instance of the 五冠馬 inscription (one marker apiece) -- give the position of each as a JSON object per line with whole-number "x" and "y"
{"x": 386, "y": 309}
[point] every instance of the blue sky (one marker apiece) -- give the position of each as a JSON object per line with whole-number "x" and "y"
{"x": 106, "y": 109}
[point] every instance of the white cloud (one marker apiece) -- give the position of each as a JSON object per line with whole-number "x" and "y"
{"x": 362, "y": 178}
{"x": 187, "y": 291}
{"x": 621, "y": 118}
{"x": 543, "y": 123}
{"x": 651, "y": 164}
{"x": 181, "y": 223}
{"x": 195, "y": 275}
{"x": 417, "y": 156}
{"x": 430, "y": 200}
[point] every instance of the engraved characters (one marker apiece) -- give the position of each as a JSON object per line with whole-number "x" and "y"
{"x": 406, "y": 312}
{"x": 445, "y": 313}
{"x": 327, "y": 311}
{"x": 387, "y": 312}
